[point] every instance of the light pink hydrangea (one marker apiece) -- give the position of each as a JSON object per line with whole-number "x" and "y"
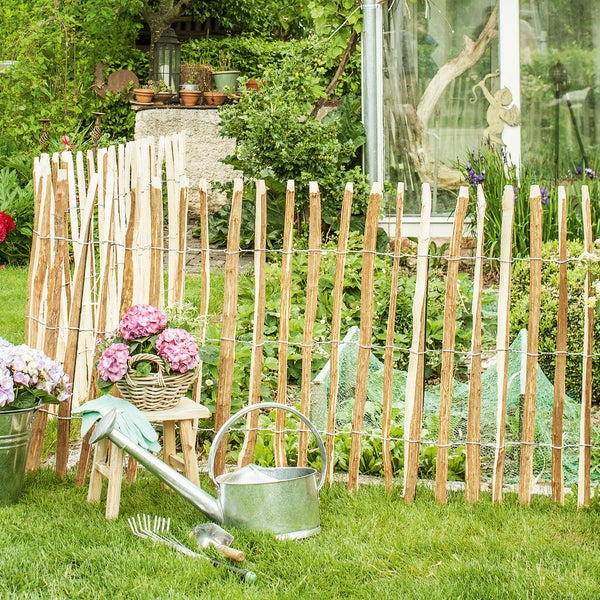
{"x": 112, "y": 365}
{"x": 24, "y": 369}
{"x": 142, "y": 320}
{"x": 179, "y": 349}
{"x": 7, "y": 391}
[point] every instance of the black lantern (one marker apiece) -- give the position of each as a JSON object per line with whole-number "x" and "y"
{"x": 560, "y": 78}
{"x": 167, "y": 60}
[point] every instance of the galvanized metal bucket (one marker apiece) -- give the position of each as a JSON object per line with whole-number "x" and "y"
{"x": 15, "y": 434}
{"x": 280, "y": 500}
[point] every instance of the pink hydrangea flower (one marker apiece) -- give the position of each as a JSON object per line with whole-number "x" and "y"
{"x": 112, "y": 365}
{"x": 142, "y": 320}
{"x": 179, "y": 349}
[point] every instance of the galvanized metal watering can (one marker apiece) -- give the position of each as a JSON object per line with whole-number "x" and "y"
{"x": 280, "y": 500}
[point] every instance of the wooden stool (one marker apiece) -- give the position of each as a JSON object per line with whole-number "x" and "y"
{"x": 108, "y": 458}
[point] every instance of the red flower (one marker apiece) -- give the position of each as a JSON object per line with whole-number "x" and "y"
{"x": 6, "y": 224}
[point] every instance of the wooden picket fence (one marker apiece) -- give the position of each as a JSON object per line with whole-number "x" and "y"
{"x": 99, "y": 246}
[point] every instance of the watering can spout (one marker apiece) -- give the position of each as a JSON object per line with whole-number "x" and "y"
{"x": 169, "y": 476}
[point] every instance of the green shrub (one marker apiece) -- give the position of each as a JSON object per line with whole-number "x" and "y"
{"x": 548, "y": 321}
{"x": 350, "y": 317}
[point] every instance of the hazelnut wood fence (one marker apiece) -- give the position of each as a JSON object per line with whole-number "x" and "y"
{"x": 110, "y": 230}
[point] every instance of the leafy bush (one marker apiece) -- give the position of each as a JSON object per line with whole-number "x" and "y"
{"x": 350, "y": 317}
{"x": 548, "y": 322}
{"x": 278, "y": 140}
{"x": 16, "y": 200}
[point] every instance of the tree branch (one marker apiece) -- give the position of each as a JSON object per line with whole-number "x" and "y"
{"x": 348, "y": 51}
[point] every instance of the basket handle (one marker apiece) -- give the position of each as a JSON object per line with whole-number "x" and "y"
{"x": 260, "y": 405}
{"x": 136, "y": 358}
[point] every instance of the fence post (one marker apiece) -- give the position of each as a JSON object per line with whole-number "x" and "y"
{"x": 502, "y": 337}
{"x": 336, "y": 326}
{"x": 366, "y": 332}
{"x": 583, "y": 479}
{"x": 533, "y": 332}
{"x": 230, "y": 298}
{"x": 312, "y": 299}
{"x": 258, "y": 334}
{"x": 413, "y": 413}
{"x": 473, "y": 462}
{"x": 448, "y": 344}
{"x": 284, "y": 321}
{"x": 388, "y": 359}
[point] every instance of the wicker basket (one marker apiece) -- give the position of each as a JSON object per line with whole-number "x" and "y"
{"x": 157, "y": 390}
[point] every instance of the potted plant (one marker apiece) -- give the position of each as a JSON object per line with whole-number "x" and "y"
{"x": 151, "y": 363}
{"x": 189, "y": 92}
{"x": 199, "y": 74}
{"x": 145, "y": 93}
{"x": 190, "y": 85}
{"x": 162, "y": 92}
{"x": 28, "y": 379}
{"x": 215, "y": 97}
{"x": 225, "y": 76}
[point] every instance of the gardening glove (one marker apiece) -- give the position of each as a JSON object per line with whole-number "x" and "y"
{"x": 130, "y": 421}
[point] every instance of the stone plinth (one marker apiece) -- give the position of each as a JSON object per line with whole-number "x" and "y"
{"x": 205, "y": 147}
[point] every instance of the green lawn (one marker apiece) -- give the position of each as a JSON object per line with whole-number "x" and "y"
{"x": 13, "y": 302}
{"x": 55, "y": 545}
{"x": 372, "y": 545}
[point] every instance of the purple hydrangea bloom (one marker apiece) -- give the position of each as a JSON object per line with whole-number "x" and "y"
{"x": 179, "y": 349}
{"x": 24, "y": 368}
{"x": 142, "y": 320}
{"x": 7, "y": 392}
{"x": 112, "y": 365}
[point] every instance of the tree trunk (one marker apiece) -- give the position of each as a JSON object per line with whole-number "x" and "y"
{"x": 161, "y": 19}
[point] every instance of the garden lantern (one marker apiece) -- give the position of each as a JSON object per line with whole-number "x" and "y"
{"x": 167, "y": 60}
{"x": 559, "y": 77}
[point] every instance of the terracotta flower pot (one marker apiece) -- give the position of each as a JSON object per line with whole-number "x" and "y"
{"x": 252, "y": 84}
{"x": 189, "y": 97}
{"x": 143, "y": 96}
{"x": 215, "y": 98}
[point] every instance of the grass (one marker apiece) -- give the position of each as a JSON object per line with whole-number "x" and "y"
{"x": 372, "y": 545}
{"x": 13, "y": 302}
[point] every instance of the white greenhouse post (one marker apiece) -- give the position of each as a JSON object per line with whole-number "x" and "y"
{"x": 372, "y": 88}
{"x": 510, "y": 70}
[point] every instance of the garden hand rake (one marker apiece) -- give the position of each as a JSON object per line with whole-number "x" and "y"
{"x": 157, "y": 530}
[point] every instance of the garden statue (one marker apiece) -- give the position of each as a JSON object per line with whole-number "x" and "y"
{"x": 117, "y": 83}
{"x": 499, "y": 112}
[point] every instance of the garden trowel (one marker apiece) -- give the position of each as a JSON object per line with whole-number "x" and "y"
{"x": 208, "y": 534}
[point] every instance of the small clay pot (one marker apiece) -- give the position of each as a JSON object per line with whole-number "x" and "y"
{"x": 215, "y": 98}
{"x": 143, "y": 96}
{"x": 189, "y": 97}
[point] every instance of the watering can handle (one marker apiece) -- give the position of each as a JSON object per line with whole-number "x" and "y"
{"x": 221, "y": 433}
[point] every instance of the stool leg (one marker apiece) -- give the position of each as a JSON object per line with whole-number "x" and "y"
{"x": 188, "y": 446}
{"x": 169, "y": 448}
{"x": 115, "y": 477}
{"x": 100, "y": 457}
{"x": 131, "y": 469}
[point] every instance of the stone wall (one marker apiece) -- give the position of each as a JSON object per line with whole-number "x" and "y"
{"x": 204, "y": 146}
